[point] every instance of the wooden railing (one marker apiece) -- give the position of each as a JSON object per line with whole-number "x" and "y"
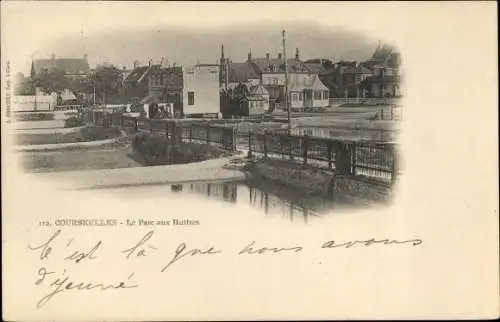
{"x": 376, "y": 160}
{"x": 371, "y": 159}
{"x": 365, "y": 101}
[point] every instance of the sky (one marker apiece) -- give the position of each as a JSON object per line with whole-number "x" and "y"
{"x": 187, "y": 32}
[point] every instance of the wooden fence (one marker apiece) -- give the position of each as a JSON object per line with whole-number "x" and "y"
{"x": 365, "y": 101}
{"x": 371, "y": 159}
{"x": 376, "y": 160}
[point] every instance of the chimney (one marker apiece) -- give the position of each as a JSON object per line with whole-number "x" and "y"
{"x": 297, "y": 56}
{"x": 267, "y": 56}
{"x": 85, "y": 57}
{"x": 280, "y": 56}
{"x": 250, "y": 55}
{"x": 136, "y": 64}
{"x": 53, "y": 57}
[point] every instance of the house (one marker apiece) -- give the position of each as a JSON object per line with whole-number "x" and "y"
{"x": 270, "y": 73}
{"x": 385, "y": 82}
{"x": 352, "y": 77}
{"x": 386, "y": 79}
{"x": 200, "y": 95}
{"x": 255, "y": 101}
{"x": 308, "y": 92}
{"x": 136, "y": 82}
{"x": 72, "y": 67}
{"x": 38, "y": 102}
{"x": 192, "y": 91}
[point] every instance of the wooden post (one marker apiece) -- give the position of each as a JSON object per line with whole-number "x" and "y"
{"x": 167, "y": 125}
{"x": 191, "y": 133}
{"x": 179, "y": 131}
{"x": 235, "y": 137}
{"x": 353, "y": 159}
{"x": 265, "y": 145}
{"x": 208, "y": 134}
{"x": 305, "y": 142}
{"x": 136, "y": 125}
{"x": 250, "y": 143}
{"x": 151, "y": 126}
{"x": 330, "y": 161}
{"x": 341, "y": 159}
{"x": 394, "y": 172}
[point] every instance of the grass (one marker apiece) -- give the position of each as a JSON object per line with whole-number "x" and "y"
{"x": 26, "y": 117}
{"x": 87, "y": 134}
{"x": 97, "y": 158}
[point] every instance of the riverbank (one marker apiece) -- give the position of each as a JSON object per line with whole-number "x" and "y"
{"x": 316, "y": 182}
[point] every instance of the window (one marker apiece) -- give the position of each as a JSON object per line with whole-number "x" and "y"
{"x": 262, "y": 104}
{"x": 190, "y": 98}
{"x": 317, "y": 95}
{"x": 301, "y": 97}
{"x": 326, "y": 95}
{"x": 295, "y": 97}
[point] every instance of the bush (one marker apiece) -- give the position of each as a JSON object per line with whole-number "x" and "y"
{"x": 158, "y": 150}
{"x": 26, "y": 117}
{"x": 73, "y": 122}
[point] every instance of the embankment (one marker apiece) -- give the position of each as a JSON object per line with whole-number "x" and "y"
{"x": 314, "y": 181}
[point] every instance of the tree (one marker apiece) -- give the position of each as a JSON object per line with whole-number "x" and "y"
{"x": 53, "y": 80}
{"x": 107, "y": 82}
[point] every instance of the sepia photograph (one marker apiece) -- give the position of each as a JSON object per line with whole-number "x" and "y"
{"x": 166, "y": 150}
{"x": 295, "y": 121}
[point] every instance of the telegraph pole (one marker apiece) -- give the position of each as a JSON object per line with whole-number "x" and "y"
{"x": 286, "y": 86}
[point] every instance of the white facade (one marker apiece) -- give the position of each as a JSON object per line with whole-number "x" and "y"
{"x": 200, "y": 92}
{"x": 33, "y": 103}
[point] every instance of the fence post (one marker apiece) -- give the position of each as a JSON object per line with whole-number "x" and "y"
{"x": 208, "y": 134}
{"x": 178, "y": 133}
{"x": 342, "y": 159}
{"x": 150, "y": 126}
{"x": 394, "y": 172}
{"x": 191, "y": 133}
{"x": 250, "y": 143}
{"x": 136, "y": 125}
{"x": 265, "y": 144}
{"x": 234, "y": 138}
{"x": 330, "y": 161}
{"x": 305, "y": 142}
{"x": 353, "y": 158}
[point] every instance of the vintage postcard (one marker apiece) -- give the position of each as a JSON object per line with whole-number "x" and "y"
{"x": 249, "y": 160}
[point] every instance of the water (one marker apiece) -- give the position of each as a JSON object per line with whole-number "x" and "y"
{"x": 272, "y": 200}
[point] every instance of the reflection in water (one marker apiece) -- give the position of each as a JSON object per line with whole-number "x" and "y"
{"x": 278, "y": 201}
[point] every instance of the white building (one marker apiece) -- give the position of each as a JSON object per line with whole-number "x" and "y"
{"x": 200, "y": 92}
{"x": 38, "y": 102}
